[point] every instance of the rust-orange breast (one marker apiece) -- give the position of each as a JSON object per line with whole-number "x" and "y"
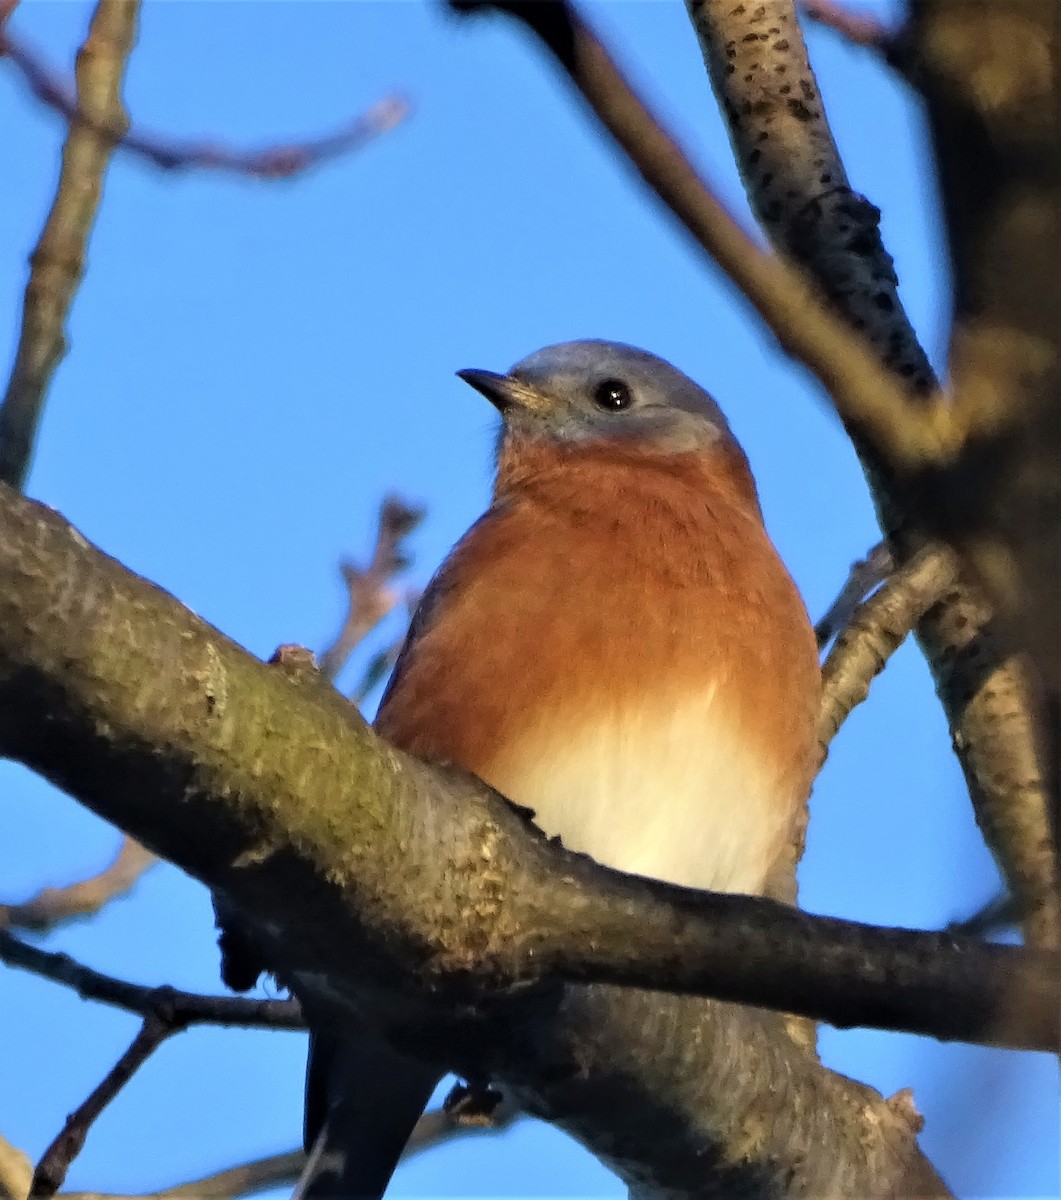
{"x": 617, "y": 645}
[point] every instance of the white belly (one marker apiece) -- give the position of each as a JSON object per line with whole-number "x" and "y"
{"x": 670, "y": 792}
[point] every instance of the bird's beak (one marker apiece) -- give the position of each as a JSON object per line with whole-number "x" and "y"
{"x": 503, "y": 392}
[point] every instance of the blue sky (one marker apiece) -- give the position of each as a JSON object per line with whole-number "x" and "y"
{"x": 254, "y": 364}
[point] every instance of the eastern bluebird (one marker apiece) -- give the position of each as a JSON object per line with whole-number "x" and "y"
{"x": 614, "y": 644}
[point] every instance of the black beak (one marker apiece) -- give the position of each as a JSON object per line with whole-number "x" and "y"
{"x": 498, "y": 389}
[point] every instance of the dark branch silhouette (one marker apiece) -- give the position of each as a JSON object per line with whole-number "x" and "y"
{"x": 175, "y": 1007}
{"x": 51, "y": 1170}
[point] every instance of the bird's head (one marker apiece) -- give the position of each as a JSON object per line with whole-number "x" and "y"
{"x": 588, "y": 391}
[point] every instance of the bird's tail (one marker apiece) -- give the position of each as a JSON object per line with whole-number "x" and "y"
{"x": 363, "y": 1100}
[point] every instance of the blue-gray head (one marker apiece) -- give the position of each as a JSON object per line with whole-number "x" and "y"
{"x": 587, "y": 390}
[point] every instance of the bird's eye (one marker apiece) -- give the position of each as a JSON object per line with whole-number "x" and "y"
{"x": 612, "y": 395}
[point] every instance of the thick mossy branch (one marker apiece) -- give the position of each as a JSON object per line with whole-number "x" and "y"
{"x": 360, "y": 865}
{"x": 415, "y": 898}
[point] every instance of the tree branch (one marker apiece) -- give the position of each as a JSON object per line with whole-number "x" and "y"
{"x": 165, "y": 1011}
{"x": 174, "y": 1006}
{"x": 98, "y": 125}
{"x": 52, "y": 906}
{"x": 246, "y": 1179}
{"x": 858, "y": 28}
{"x": 16, "y": 1172}
{"x": 272, "y": 162}
{"x": 58, "y": 262}
{"x": 55, "y": 1162}
{"x": 269, "y": 787}
{"x": 865, "y": 575}
{"x": 796, "y": 182}
{"x": 370, "y": 592}
{"x": 876, "y": 630}
{"x": 434, "y": 1128}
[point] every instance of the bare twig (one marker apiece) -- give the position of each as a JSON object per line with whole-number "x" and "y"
{"x": 370, "y": 591}
{"x": 276, "y": 1170}
{"x": 58, "y": 262}
{"x": 55, "y": 1162}
{"x": 176, "y": 1007}
{"x": 51, "y": 906}
{"x": 876, "y": 630}
{"x": 859, "y": 28}
{"x": 246, "y": 1179}
{"x": 283, "y": 1170}
{"x": 865, "y": 575}
{"x": 380, "y": 665}
{"x": 272, "y": 162}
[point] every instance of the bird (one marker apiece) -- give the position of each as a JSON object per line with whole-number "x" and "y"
{"x": 614, "y": 644}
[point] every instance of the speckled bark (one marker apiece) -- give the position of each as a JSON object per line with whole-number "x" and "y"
{"x": 758, "y": 65}
{"x": 796, "y": 182}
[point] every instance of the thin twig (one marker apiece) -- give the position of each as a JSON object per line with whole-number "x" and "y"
{"x": 877, "y": 629}
{"x": 272, "y": 162}
{"x": 185, "y": 1008}
{"x": 381, "y": 664}
{"x": 865, "y": 575}
{"x": 51, "y": 906}
{"x": 55, "y": 1162}
{"x": 858, "y": 28}
{"x": 283, "y": 1170}
{"x": 246, "y": 1179}
{"x": 58, "y": 261}
{"x": 370, "y": 591}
